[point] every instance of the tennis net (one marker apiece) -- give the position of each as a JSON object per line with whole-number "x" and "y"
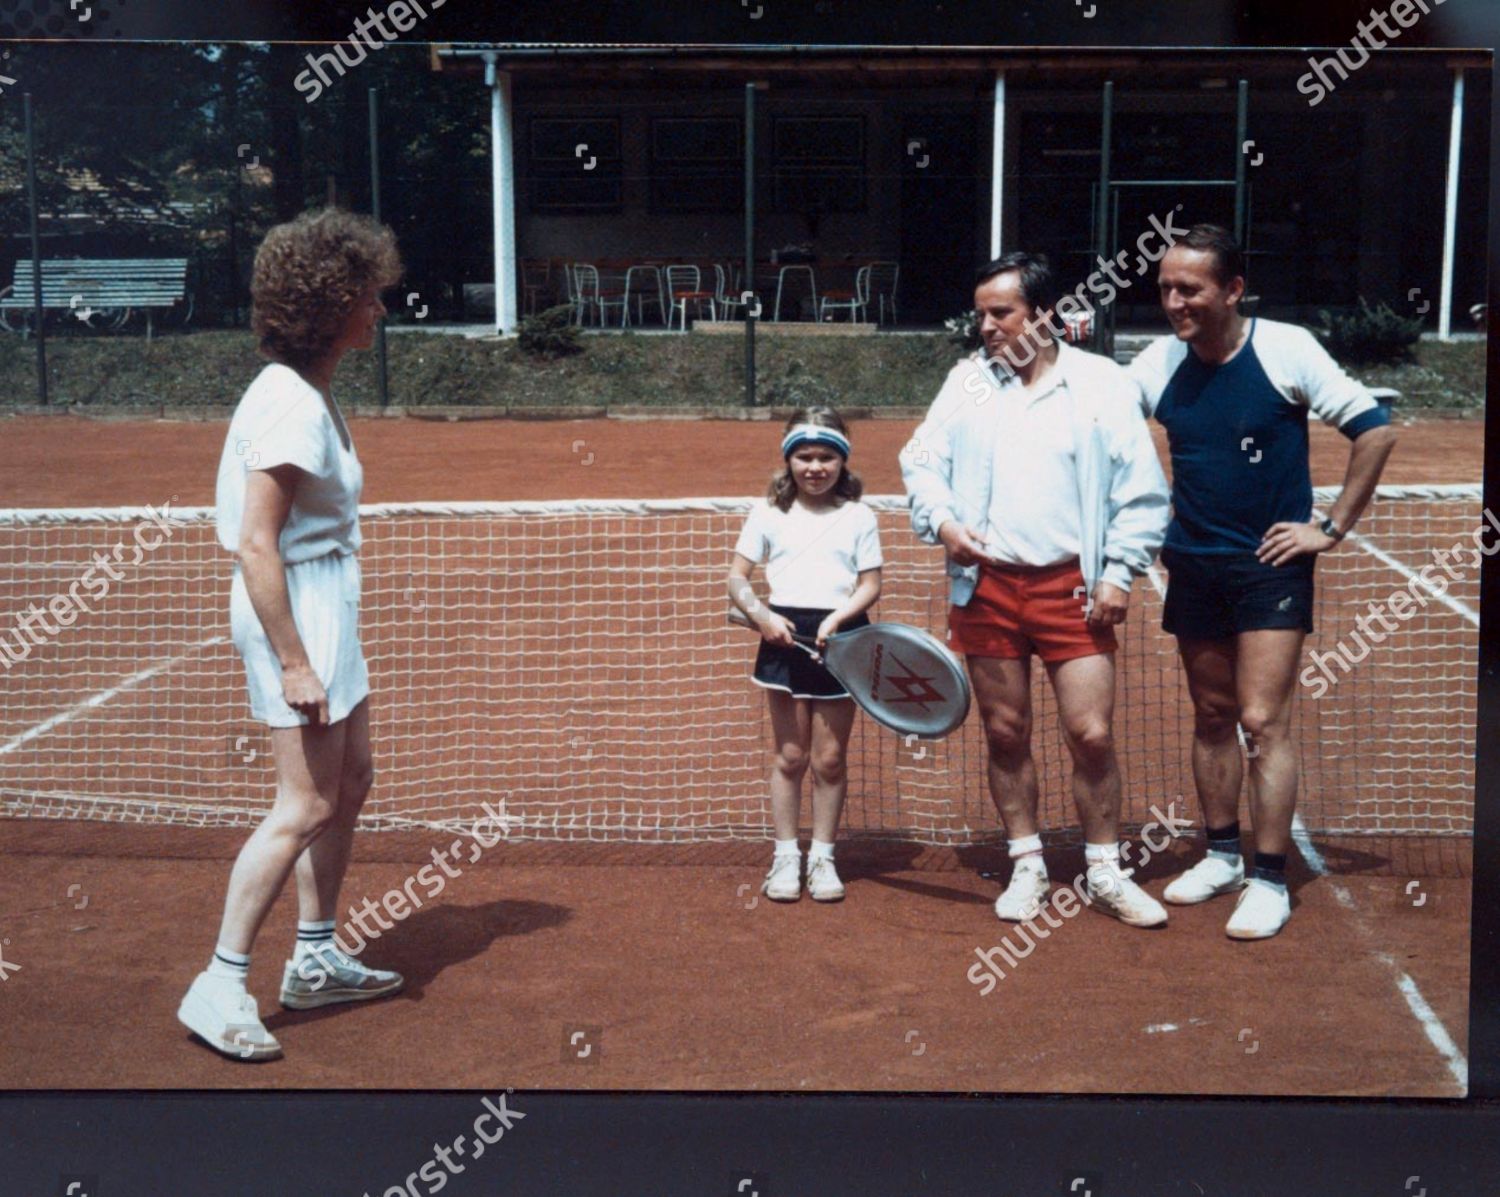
{"x": 570, "y": 665}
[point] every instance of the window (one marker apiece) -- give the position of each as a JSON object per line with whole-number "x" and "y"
{"x": 697, "y": 164}
{"x": 818, "y": 163}
{"x": 573, "y": 164}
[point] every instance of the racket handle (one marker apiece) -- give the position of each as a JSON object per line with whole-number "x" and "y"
{"x": 739, "y": 617}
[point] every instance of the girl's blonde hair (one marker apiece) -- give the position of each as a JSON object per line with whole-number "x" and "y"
{"x": 782, "y": 492}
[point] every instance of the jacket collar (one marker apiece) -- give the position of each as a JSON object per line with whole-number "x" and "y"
{"x": 998, "y": 372}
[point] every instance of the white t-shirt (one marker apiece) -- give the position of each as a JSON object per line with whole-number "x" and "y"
{"x": 282, "y": 420}
{"x": 1034, "y": 517}
{"x": 813, "y": 557}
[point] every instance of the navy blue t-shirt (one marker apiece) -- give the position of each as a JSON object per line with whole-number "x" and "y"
{"x": 1239, "y": 454}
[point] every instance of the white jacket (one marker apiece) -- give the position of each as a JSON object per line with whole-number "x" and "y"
{"x": 948, "y": 467}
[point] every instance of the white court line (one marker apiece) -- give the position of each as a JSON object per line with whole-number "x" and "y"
{"x": 1385, "y": 558}
{"x": 1432, "y": 1025}
{"x": 99, "y": 699}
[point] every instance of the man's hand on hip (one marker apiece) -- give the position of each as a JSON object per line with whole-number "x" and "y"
{"x": 1287, "y": 541}
{"x": 1110, "y": 605}
{"x": 963, "y": 544}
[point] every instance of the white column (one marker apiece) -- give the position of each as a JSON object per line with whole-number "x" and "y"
{"x": 503, "y": 192}
{"x": 1450, "y": 214}
{"x": 997, "y": 167}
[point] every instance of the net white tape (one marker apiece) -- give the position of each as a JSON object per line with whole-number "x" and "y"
{"x": 570, "y": 664}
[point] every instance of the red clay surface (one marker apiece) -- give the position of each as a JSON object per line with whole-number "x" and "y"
{"x": 64, "y": 461}
{"x": 682, "y": 978}
{"x": 664, "y": 953}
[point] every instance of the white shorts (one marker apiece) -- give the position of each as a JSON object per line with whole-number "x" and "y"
{"x": 325, "y": 607}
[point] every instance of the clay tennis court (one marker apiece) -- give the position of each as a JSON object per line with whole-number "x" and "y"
{"x": 616, "y": 940}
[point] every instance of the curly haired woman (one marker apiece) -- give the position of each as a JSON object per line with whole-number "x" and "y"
{"x": 288, "y": 508}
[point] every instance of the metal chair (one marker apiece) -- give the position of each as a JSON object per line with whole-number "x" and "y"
{"x": 590, "y": 295}
{"x": 883, "y": 281}
{"x": 812, "y": 284}
{"x": 685, "y": 286}
{"x": 727, "y": 289}
{"x": 646, "y": 290}
{"x": 855, "y": 302}
{"x": 574, "y": 301}
{"x": 536, "y": 281}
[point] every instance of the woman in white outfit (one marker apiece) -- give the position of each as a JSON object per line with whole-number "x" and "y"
{"x": 287, "y": 507}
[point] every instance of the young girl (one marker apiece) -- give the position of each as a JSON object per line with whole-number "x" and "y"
{"x": 821, "y": 549}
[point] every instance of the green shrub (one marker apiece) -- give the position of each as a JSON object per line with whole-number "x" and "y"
{"x": 550, "y": 334}
{"x": 795, "y": 386}
{"x": 1366, "y": 336}
{"x": 963, "y": 330}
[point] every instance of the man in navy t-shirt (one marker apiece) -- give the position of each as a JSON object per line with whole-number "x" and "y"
{"x": 1234, "y": 394}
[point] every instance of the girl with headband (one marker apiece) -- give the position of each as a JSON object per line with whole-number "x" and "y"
{"x": 821, "y": 549}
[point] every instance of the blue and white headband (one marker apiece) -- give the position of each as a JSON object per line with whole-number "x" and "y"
{"x": 814, "y": 434}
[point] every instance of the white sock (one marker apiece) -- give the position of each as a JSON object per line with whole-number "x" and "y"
{"x": 312, "y": 935}
{"x": 1026, "y": 852}
{"x": 232, "y": 966}
{"x": 820, "y": 851}
{"x": 787, "y": 847}
{"x": 1101, "y": 853}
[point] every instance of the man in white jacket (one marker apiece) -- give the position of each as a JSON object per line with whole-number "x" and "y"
{"x": 1035, "y": 470}
{"x": 1234, "y": 395}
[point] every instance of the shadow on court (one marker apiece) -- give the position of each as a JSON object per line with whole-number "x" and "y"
{"x": 435, "y": 938}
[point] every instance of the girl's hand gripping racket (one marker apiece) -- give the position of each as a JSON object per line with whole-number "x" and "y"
{"x": 901, "y": 676}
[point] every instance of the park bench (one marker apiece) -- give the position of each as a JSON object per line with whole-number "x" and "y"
{"x": 101, "y": 292}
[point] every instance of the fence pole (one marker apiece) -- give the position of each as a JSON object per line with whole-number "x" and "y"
{"x": 36, "y": 260}
{"x": 385, "y": 397}
{"x": 748, "y": 284}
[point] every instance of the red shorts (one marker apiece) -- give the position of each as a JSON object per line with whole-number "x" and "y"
{"x": 1020, "y": 609}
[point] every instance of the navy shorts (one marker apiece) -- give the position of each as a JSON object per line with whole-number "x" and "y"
{"x": 791, "y": 669}
{"x": 1214, "y": 596}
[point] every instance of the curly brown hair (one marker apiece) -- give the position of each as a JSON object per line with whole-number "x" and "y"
{"x": 782, "y": 492}
{"x": 309, "y": 274}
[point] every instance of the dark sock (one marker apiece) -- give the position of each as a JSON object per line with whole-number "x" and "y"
{"x": 1225, "y": 840}
{"x": 1271, "y": 867}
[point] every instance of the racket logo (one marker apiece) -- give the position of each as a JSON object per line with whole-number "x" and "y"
{"x": 910, "y": 686}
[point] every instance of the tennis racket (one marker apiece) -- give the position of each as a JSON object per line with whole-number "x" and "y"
{"x": 901, "y": 676}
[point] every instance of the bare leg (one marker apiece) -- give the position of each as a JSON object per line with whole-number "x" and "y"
{"x": 831, "y": 722}
{"x": 323, "y": 863}
{"x": 791, "y": 724}
{"x": 1003, "y": 690}
{"x": 1267, "y": 668}
{"x": 309, "y": 765}
{"x": 1085, "y": 688}
{"x": 1217, "y": 770}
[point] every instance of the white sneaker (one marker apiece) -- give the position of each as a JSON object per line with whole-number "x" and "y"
{"x": 823, "y": 884}
{"x": 784, "y": 881}
{"x": 1262, "y": 910}
{"x": 224, "y": 1016}
{"x": 326, "y": 976}
{"x": 1023, "y": 897}
{"x": 1207, "y": 879}
{"x": 1114, "y": 893}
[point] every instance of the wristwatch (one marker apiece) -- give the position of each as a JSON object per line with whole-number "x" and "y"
{"x": 1330, "y": 529}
